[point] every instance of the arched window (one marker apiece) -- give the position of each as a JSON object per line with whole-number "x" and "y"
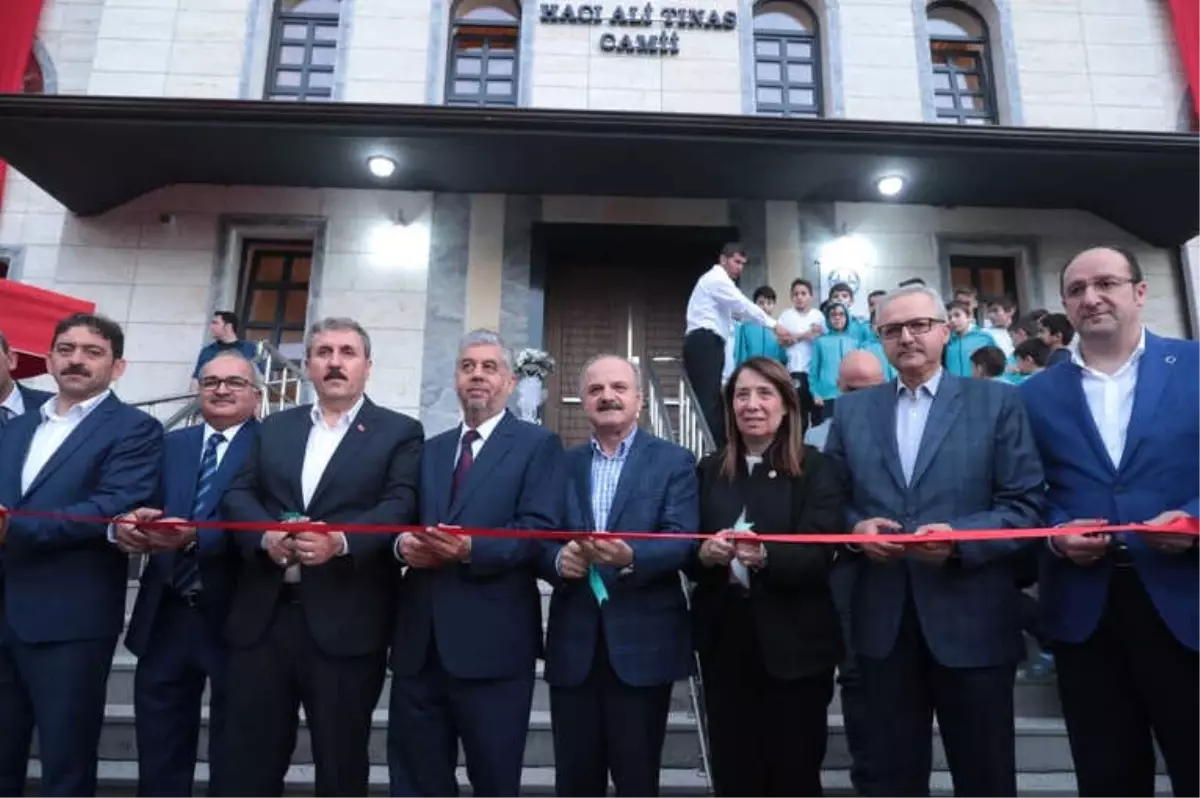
{"x": 303, "y": 50}
{"x": 962, "y": 86}
{"x": 482, "y": 68}
{"x": 34, "y": 80}
{"x": 787, "y": 63}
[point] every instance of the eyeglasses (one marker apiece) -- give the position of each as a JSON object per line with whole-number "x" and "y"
{"x": 232, "y": 383}
{"x": 915, "y": 327}
{"x": 1103, "y": 285}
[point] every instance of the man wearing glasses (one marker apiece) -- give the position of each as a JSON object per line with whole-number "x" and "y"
{"x": 936, "y": 624}
{"x": 1118, "y": 430}
{"x": 178, "y": 619}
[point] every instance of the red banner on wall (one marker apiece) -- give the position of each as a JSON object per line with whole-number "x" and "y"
{"x": 28, "y": 316}
{"x": 1186, "y": 16}
{"x": 18, "y": 26}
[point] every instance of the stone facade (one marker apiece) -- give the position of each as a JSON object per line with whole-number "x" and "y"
{"x": 163, "y": 263}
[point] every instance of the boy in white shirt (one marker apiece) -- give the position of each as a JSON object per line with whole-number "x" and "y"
{"x": 804, "y": 322}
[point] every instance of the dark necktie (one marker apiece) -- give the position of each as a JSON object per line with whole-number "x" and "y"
{"x": 186, "y": 576}
{"x": 465, "y": 460}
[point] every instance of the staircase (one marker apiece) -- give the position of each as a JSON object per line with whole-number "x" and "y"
{"x": 1043, "y": 756}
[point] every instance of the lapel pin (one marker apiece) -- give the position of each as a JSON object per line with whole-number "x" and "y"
{"x": 1170, "y": 360}
{"x": 770, "y": 475}
{"x": 361, "y": 428}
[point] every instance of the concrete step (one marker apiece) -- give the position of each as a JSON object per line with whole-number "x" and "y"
{"x": 1042, "y": 745}
{"x": 120, "y": 779}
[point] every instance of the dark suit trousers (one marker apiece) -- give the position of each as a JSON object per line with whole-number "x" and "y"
{"x": 60, "y": 689}
{"x": 1127, "y": 685}
{"x": 974, "y": 709}
{"x": 605, "y": 725}
{"x": 704, "y": 362}
{"x": 432, "y": 710}
{"x": 270, "y": 681}
{"x": 842, "y": 580}
{"x": 183, "y": 653}
{"x": 767, "y": 736}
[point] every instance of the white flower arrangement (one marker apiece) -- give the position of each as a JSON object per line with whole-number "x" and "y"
{"x": 534, "y": 363}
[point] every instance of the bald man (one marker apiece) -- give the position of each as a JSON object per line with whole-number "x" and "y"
{"x": 860, "y": 369}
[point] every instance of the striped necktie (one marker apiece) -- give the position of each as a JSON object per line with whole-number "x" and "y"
{"x": 186, "y": 577}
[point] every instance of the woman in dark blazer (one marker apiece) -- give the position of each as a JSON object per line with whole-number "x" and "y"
{"x": 766, "y": 629}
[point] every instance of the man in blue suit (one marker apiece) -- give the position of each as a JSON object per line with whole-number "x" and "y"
{"x": 62, "y": 604}
{"x": 618, "y": 636}
{"x": 468, "y": 614}
{"x": 177, "y": 626}
{"x": 1118, "y": 434}
{"x": 15, "y": 400}
{"x": 936, "y": 627}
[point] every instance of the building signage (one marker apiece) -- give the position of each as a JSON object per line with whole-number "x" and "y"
{"x": 669, "y": 21}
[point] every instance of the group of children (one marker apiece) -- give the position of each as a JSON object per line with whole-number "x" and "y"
{"x": 1008, "y": 349}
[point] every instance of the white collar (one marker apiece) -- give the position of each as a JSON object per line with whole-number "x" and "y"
{"x": 78, "y": 412}
{"x": 227, "y": 434}
{"x": 485, "y": 429}
{"x": 344, "y": 420}
{"x": 1134, "y": 357}
{"x": 15, "y": 402}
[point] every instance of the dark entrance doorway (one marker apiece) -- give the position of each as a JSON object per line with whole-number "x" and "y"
{"x": 619, "y": 289}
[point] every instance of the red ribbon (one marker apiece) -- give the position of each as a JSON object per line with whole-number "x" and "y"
{"x": 1186, "y": 526}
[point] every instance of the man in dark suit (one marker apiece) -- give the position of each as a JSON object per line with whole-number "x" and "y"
{"x": 618, "y": 636}
{"x": 936, "y": 624}
{"x": 1123, "y": 609}
{"x": 177, "y": 628}
{"x": 62, "y": 598}
{"x": 468, "y": 615}
{"x": 15, "y": 399}
{"x": 312, "y": 612}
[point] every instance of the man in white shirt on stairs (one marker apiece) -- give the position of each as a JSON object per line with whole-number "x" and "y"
{"x": 716, "y": 302}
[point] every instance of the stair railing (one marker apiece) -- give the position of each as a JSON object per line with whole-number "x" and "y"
{"x": 660, "y": 425}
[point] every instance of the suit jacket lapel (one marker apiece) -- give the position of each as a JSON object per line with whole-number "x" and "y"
{"x": 885, "y": 431}
{"x": 582, "y": 474}
{"x": 186, "y": 473}
{"x": 87, "y": 427}
{"x": 231, "y": 463}
{"x": 1154, "y": 371}
{"x": 946, "y": 407}
{"x": 346, "y": 451}
{"x": 292, "y": 448}
{"x": 441, "y": 464}
{"x": 493, "y": 451}
{"x": 1078, "y": 407}
{"x": 630, "y": 477}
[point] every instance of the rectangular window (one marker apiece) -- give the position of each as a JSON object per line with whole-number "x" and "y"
{"x": 273, "y": 298}
{"x": 303, "y": 52}
{"x": 483, "y": 66}
{"x": 989, "y": 275}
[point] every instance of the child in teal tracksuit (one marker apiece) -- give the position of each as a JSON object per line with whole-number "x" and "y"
{"x": 754, "y": 340}
{"x": 869, "y": 341}
{"x": 963, "y": 341}
{"x": 828, "y": 350}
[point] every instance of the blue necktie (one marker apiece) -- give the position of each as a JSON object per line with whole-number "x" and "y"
{"x": 186, "y": 577}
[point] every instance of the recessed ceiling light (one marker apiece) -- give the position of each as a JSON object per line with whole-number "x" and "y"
{"x": 381, "y": 166}
{"x": 890, "y": 186}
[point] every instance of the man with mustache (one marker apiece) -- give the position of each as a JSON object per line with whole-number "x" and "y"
{"x": 618, "y": 635}
{"x": 177, "y": 628}
{"x": 1118, "y": 432}
{"x": 936, "y": 624}
{"x": 311, "y": 616}
{"x": 84, "y": 454}
{"x": 468, "y": 621}
{"x": 15, "y": 399}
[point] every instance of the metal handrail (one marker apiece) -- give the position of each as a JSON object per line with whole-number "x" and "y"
{"x": 694, "y": 434}
{"x": 283, "y": 381}
{"x": 660, "y": 425}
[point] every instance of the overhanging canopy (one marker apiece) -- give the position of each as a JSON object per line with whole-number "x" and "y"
{"x": 28, "y": 316}
{"x": 95, "y": 153}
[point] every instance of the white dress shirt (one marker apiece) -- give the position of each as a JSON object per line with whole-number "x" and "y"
{"x": 222, "y": 447}
{"x": 51, "y": 433}
{"x": 716, "y": 302}
{"x": 485, "y": 431}
{"x": 1003, "y": 339}
{"x": 323, "y": 441}
{"x": 1110, "y": 397}
{"x": 799, "y": 354}
{"x": 14, "y": 403}
{"x": 912, "y": 413}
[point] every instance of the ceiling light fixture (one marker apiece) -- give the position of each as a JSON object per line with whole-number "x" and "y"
{"x": 381, "y": 166}
{"x": 890, "y": 186}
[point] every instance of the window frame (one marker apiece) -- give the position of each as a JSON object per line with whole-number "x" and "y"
{"x": 487, "y": 31}
{"x": 980, "y": 49}
{"x": 280, "y": 20}
{"x": 786, "y": 109}
{"x": 255, "y": 252}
